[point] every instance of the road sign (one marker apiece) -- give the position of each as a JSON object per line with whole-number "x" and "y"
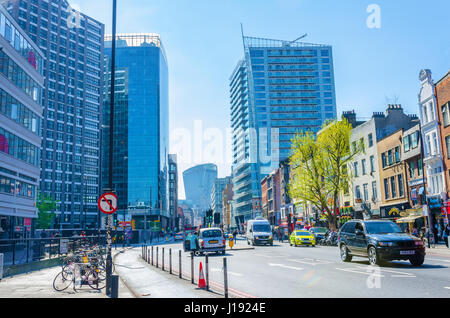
{"x": 108, "y": 203}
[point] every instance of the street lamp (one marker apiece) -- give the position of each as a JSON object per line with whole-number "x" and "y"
{"x": 111, "y": 145}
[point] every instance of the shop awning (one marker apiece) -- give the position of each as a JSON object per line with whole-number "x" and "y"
{"x": 408, "y": 219}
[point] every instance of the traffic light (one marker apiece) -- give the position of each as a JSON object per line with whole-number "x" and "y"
{"x": 216, "y": 218}
{"x": 209, "y": 216}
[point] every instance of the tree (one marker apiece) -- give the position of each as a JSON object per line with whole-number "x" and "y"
{"x": 320, "y": 164}
{"x": 46, "y": 205}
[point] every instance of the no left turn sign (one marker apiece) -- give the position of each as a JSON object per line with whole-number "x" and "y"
{"x": 108, "y": 203}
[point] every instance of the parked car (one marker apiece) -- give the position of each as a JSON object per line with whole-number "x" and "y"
{"x": 379, "y": 241}
{"x": 319, "y": 232}
{"x": 178, "y": 236}
{"x": 302, "y": 237}
{"x": 211, "y": 240}
{"x": 259, "y": 232}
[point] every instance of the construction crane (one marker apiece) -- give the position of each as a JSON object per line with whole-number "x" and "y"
{"x": 286, "y": 43}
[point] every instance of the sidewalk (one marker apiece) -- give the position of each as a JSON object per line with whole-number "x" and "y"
{"x": 145, "y": 281}
{"x": 39, "y": 284}
{"x": 439, "y": 250}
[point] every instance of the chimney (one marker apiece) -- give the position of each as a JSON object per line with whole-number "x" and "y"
{"x": 394, "y": 108}
{"x": 350, "y": 116}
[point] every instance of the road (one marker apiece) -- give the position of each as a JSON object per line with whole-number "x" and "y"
{"x": 284, "y": 271}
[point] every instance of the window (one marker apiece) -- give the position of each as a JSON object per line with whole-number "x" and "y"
{"x": 419, "y": 167}
{"x": 393, "y": 187}
{"x": 390, "y": 157}
{"x": 372, "y": 164}
{"x": 425, "y": 114}
{"x": 401, "y": 190}
{"x": 370, "y": 137}
{"x": 366, "y": 192}
{"x": 406, "y": 143}
{"x": 414, "y": 139}
{"x": 374, "y": 191}
{"x": 397, "y": 154}
{"x": 363, "y": 164}
{"x": 412, "y": 169}
{"x": 358, "y": 192}
{"x": 383, "y": 160}
{"x": 386, "y": 189}
{"x": 446, "y": 114}
{"x": 447, "y": 146}
{"x": 355, "y": 165}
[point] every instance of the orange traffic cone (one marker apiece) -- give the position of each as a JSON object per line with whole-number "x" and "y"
{"x": 201, "y": 278}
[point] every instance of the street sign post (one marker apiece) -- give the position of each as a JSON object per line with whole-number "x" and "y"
{"x": 107, "y": 203}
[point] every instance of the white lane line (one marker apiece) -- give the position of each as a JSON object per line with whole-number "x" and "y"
{"x": 313, "y": 263}
{"x": 447, "y": 287}
{"x": 358, "y": 272}
{"x": 388, "y": 271}
{"x": 404, "y": 276}
{"x": 285, "y": 266}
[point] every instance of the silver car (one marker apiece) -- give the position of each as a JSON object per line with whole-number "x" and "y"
{"x": 211, "y": 240}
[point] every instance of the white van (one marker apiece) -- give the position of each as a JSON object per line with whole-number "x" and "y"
{"x": 259, "y": 232}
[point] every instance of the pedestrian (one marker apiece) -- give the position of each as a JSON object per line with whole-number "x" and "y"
{"x": 436, "y": 233}
{"x": 279, "y": 235}
{"x": 446, "y": 234}
{"x": 415, "y": 232}
{"x": 235, "y": 232}
{"x": 194, "y": 242}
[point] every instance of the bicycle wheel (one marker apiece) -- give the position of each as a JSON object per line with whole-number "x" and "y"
{"x": 94, "y": 280}
{"x": 62, "y": 281}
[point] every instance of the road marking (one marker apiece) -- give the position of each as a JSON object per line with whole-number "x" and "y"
{"x": 358, "y": 272}
{"x": 447, "y": 287}
{"x": 400, "y": 274}
{"x": 285, "y": 266}
{"x": 313, "y": 263}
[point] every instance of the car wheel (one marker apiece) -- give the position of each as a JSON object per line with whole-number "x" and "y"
{"x": 271, "y": 244}
{"x": 417, "y": 261}
{"x": 248, "y": 242}
{"x": 253, "y": 243}
{"x": 345, "y": 256}
{"x": 223, "y": 252}
{"x": 373, "y": 256}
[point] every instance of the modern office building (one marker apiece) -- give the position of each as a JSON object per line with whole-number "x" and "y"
{"x": 198, "y": 182}
{"x": 278, "y": 89}
{"x": 21, "y": 83}
{"x": 216, "y": 195}
{"x": 73, "y": 46}
{"x": 141, "y": 128}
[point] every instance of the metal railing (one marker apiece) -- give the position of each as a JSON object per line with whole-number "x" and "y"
{"x": 23, "y": 251}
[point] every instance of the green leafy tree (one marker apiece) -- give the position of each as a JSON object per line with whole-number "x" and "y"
{"x": 320, "y": 164}
{"x": 46, "y": 206}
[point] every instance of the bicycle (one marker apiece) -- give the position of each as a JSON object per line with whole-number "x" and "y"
{"x": 78, "y": 275}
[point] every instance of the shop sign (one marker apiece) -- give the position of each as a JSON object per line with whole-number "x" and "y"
{"x": 18, "y": 228}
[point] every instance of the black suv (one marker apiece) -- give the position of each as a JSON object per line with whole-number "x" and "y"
{"x": 379, "y": 241}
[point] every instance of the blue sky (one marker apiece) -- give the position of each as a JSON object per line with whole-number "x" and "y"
{"x": 202, "y": 38}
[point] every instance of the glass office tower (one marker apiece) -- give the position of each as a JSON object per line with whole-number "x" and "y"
{"x": 198, "y": 182}
{"x": 73, "y": 46}
{"x": 21, "y": 82}
{"x": 141, "y": 127}
{"x": 280, "y": 88}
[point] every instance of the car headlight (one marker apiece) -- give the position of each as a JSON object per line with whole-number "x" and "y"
{"x": 270, "y": 237}
{"x": 418, "y": 243}
{"x": 386, "y": 243}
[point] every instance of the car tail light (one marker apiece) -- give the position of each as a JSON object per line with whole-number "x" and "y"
{"x": 203, "y": 243}
{"x": 223, "y": 241}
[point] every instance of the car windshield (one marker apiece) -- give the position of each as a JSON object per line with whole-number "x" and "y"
{"x": 303, "y": 233}
{"x": 261, "y": 228}
{"x": 212, "y": 233}
{"x": 319, "y": 230}
{"x": 382, "y": 228}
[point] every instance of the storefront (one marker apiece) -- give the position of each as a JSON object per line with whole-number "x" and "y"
{"x": 412, "y": 218}
{"x": 394, "y": 211}
{"x": 435, "y": 207}
{"x": 346, "y": 214}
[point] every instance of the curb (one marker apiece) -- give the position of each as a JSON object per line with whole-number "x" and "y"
{"x": 120, "y": 277}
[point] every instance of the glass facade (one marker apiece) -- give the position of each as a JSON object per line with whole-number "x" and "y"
{"x": 279, "y": 89}
{"x": 20, "y": 118}
{"x": 198, "y": 182}
{"x": 73, "y": 69}
{"x": 141, "y": 121}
